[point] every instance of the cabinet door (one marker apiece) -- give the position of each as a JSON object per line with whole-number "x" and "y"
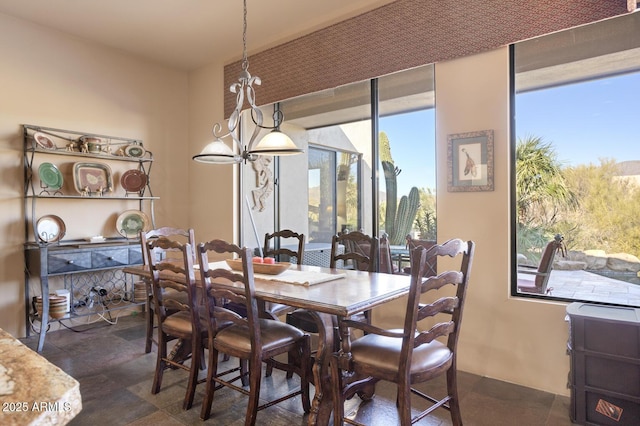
{"x": 106, "y": 258}
{"x": 135, "y": 255}
{"x": 64, "y": 262}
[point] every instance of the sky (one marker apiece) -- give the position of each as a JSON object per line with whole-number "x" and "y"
{"x": 412, "y": 140}
{"x": 585, "y": 121}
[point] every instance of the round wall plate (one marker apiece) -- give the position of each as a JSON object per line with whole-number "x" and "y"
{"x": 50, "y": 228}
{"x": 50, "y": 176}
{"x": 135, "y": 151}
{"x": 131, "y": 222}
{"x": 133, "y": 180}
{"x": 44, "y": 141}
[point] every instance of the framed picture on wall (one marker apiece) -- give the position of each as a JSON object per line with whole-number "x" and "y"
{"x": 470, "y": 161}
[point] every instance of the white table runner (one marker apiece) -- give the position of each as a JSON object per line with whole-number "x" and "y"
{"x": 291, "y": 276}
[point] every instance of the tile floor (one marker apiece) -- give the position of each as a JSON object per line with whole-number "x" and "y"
{"x": 115, "y": 380}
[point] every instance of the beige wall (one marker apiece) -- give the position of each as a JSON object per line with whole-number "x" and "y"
{"x": 53, "y": 80}
{"x": 502, "y": 337}
{"x": 213, "y": 207}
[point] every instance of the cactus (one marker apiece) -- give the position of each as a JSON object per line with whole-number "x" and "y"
{"x": 407, "y": 211}
{"x": 398, "y": 218}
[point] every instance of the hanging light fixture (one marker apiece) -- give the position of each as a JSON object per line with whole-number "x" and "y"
{"x": 274, "y": 143}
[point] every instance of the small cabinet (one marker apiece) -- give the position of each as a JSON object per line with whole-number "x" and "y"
{"x": 103, "y": 182}
{"x": 604, "y": 349}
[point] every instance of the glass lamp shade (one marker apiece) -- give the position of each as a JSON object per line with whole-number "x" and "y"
{"x": 217, "y": 152}
{"x": 276, "y": 143}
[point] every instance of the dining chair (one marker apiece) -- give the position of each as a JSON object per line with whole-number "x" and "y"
{"x": 432, "y": 262}
{"x": 273, "y": 248}
{"x": 273, "y": 245}
{"x": 385, "y": 259}
{"x": 349, "y": 250}
{"x": 409, "y": 356}
{"x": 247, "y": 337}
{"x": 183, "y": 235}
{"x": 178, "y": 317}
{"x": 536, "y": 279}
{"x": 354, "y": 250}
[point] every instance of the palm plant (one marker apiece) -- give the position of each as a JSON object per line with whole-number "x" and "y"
{"x": 541, "y": 188}
{"x": 541, "y": 192}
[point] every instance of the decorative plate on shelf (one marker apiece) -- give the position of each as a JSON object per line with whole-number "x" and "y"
{"x": 136, "y": 151}
{"x": 44, "y": 141}
{"x": 92, "y": 177}
{"x": 50, "y": 176}
{"x": 260, "y": 268}
{"x": 131, "y": 222}
{"x": 50, "y": 228}
{"x": 133, "y": 180}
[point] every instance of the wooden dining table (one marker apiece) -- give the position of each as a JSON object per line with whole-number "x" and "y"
{"x": 328, "y": 294}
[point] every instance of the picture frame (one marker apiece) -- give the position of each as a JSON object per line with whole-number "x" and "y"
{"x": 470, "y": 161}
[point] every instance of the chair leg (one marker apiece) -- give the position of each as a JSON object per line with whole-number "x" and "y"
{"x": 149, "y": 339}
{"x": 205, "y": 412}
{"x": 403, "y": 403}
{"x": 454, "y": 402}
{"x": 255, "y": 375}
{"x": 338, "y": 401}
{"x": 196, "y": 353}
{"x": 305, "y": 371}
{"x": 160, "y": 363}
{"x": 245, "y": 372}
{"x": 269, "y": 370}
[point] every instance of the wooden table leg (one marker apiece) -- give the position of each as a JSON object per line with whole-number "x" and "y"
{"x": 323, "y": 399}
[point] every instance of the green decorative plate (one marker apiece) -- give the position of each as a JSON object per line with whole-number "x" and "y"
{"x": 131, "y": 222}
{"x": 136, "y": 151}
{"x": 50, "y": 176}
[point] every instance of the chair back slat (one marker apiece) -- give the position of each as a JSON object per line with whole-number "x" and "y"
{"x": 441, "y": 329}
{"x": 439, "y": 281}
{"x": 442, "y": 305}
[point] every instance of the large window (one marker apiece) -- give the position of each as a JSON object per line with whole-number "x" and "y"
{"x": 370, "y": 150}
{"x": 577, "y": 160}
{"x": 406, "y": 147}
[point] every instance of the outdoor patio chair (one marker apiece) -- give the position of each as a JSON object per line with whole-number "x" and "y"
{"x": 536, "y": 280}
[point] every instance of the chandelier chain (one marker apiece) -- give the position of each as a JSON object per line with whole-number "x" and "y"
{"x": 245, "y": 61}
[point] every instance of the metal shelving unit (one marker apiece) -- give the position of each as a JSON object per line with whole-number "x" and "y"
{"x": 91, "y": 272}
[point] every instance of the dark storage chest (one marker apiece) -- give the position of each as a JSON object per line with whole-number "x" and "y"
{"x": 604, "y": 346}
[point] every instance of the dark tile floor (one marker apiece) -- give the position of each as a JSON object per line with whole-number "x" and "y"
{"x": 115, "y": 382}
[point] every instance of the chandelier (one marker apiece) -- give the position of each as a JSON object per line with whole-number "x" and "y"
{"x": 274, "y": 143}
